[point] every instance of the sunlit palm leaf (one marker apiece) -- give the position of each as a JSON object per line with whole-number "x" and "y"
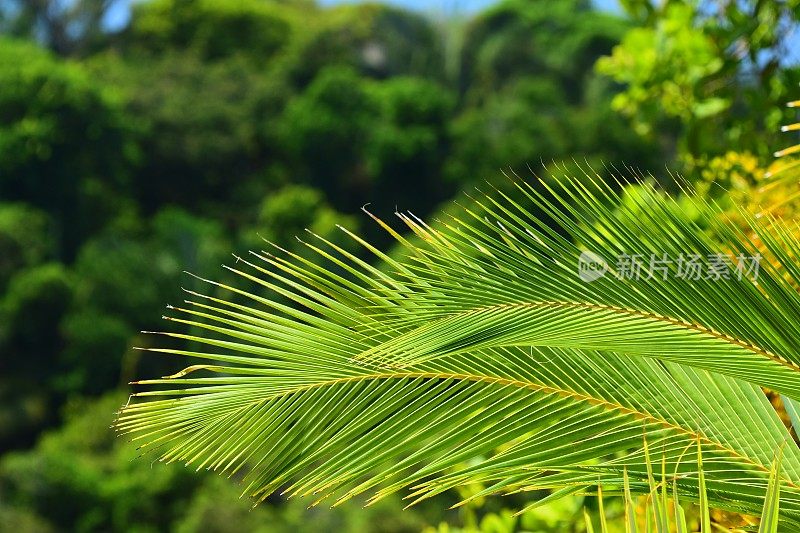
{"x": 769, "y": 516}
{"x": 482, "y": 357}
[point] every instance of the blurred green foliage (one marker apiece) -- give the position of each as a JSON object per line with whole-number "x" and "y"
{"x": 58, "y": 123}
{"x": 204, "y": 128}
{"x": 25, "y": 239}
{"x": 714, "y": 75}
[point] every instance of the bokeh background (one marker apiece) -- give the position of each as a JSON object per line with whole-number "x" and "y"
{"x": 141, "y": 139}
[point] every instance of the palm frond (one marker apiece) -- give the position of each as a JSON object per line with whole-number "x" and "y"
{"x": 481, "y": 357}
{"x": 769, "y": 516}
{"x": 656, "y": 504}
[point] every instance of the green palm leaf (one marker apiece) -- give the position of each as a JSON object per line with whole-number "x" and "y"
{"x": 481, "y": 357}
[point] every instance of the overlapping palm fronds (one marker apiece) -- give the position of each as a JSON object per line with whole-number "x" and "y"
{"x": 656, "y": 505}
{"x": 482, "y": 357}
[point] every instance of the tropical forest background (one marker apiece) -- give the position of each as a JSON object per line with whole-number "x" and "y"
{"x": 141, "y": 140}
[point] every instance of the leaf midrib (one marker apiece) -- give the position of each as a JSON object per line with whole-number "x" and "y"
{"x": 628, "y": 311}
{"x": 547, "y": 389}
